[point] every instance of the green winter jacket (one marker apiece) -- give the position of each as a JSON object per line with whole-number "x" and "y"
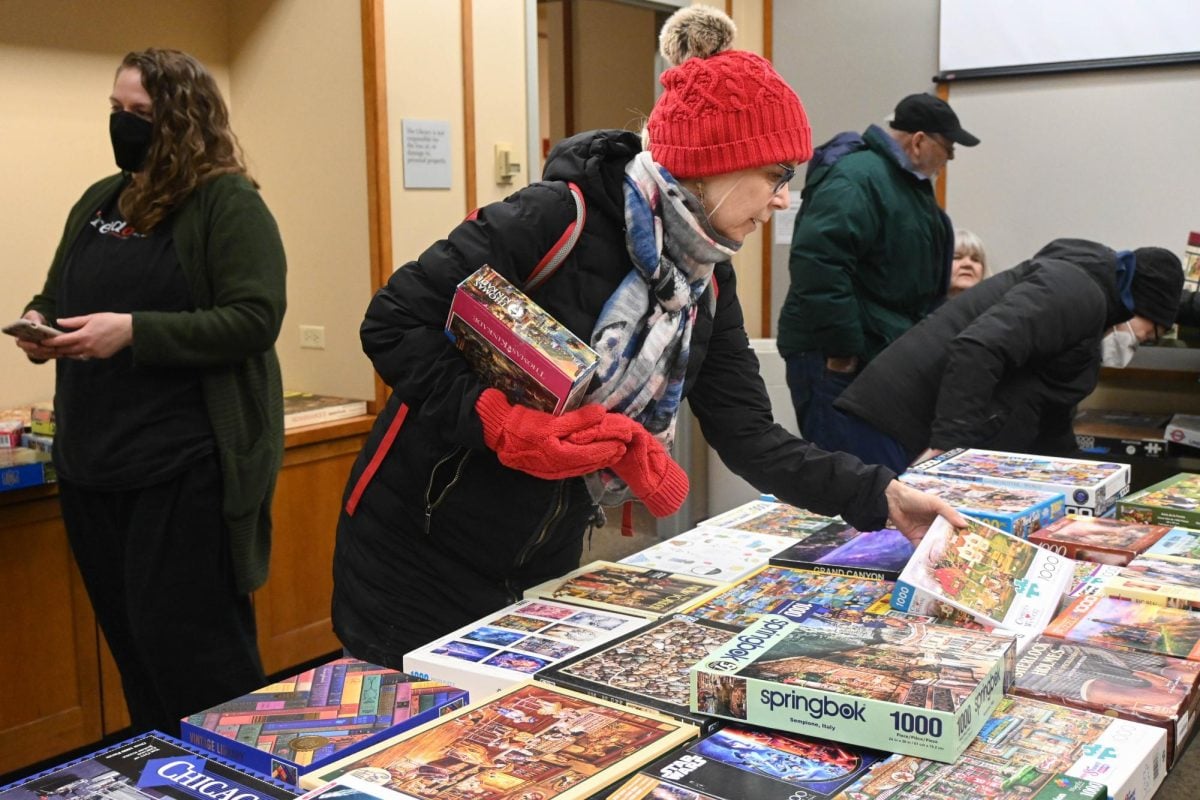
{"x": 870, "y": 256}
{"x": 229, "y": 248}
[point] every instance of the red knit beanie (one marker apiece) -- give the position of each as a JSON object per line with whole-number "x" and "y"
{"x": 721, "y": 110}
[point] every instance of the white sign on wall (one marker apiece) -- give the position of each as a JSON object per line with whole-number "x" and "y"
{"x": 426, "y": 154}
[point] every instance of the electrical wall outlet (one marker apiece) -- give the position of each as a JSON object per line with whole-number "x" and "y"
{"x": 312, "y": 337}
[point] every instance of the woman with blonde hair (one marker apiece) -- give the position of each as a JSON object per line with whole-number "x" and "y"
{"x": 169, "y": 286}
{"x": 460, "y": 499}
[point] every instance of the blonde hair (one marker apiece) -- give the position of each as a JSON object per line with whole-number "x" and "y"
{"x": 967, "y": 244}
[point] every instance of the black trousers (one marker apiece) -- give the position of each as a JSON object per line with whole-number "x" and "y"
{"x": 157, "y": 568}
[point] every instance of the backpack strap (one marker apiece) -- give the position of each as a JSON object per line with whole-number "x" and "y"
{"x": 565, "y": 244}
{"x": 540, "y": 274}
{"x": 562, "y": 248}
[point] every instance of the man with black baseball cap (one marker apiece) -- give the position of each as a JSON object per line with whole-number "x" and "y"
{"x": 871, "y": 255}
{"x": 928, "y": 114}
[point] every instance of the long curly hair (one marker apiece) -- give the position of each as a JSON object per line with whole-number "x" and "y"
{"x": 191, "y": 141}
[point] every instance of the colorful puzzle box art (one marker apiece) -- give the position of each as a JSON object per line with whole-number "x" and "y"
{"x": 516, "y": 347}
{"x": 1011, "y": 509}
{"x": 532, "y": 740}
{"x": 1174, "y": 502}
{"x": 617, "y": 587}
{"x": 1090, "y": 488}
{"x": 1023, "y": 751}
{"x": 509, "y": 645}
{"x": 999, "y": 579}
{"x": 306, "y": 720}
{"x": 885, "y": 683}
{"x": 772, "y": 588}
{"x": 1101, "y": 540}
{"x": 648, "y": 667}
{"x": 738, "y": 762}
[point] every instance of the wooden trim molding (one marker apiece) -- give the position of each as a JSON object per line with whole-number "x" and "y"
{"x": 568, "y": 38}
{"x": 379, "y": 180}
{"x": 939, "y": 189}
{"x": 468, "y": 84}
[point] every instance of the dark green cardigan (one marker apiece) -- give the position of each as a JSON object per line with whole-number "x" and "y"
{"x": 229, "y": 248}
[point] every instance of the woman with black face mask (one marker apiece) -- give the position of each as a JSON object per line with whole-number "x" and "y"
{"x": 168, "y": 285}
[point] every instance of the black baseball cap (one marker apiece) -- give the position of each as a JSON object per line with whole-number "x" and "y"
{"x": 929, "y": 114}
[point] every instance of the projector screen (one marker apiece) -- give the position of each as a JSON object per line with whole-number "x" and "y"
{"x": 987, "y": 38}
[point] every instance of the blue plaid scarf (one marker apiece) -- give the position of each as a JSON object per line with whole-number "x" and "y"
{"x": 644, "y": 331}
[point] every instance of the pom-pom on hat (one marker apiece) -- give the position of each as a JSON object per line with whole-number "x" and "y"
{"x": 721, "y": 110}
{"x": 1157, "y": 285}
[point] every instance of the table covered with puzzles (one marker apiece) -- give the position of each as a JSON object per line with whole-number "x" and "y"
{"x": 1050, "y": 649}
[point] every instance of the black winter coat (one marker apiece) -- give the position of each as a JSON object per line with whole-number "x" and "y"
{"x": 1002, "y": 365}
{"x": 443, "y": 533}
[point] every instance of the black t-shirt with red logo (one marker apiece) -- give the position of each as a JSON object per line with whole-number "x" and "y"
{"x": 121, "y": 425}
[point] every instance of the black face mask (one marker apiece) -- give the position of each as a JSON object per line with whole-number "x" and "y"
{"x": 130, "y": 136}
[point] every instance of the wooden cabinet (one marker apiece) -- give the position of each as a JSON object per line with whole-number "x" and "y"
{"x": 59, "y": 688}
{"x": 49, "y": 677}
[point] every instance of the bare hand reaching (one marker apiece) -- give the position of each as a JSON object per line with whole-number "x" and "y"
{"x": 912, "y": 512}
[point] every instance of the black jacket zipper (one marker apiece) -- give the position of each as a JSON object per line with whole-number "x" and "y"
{"x": 431, "y": 505}
{"x": 539, "y": 538}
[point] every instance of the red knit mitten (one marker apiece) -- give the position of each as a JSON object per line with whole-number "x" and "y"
{"x": 545, "y": 446}
{"x": 652, "y": 475}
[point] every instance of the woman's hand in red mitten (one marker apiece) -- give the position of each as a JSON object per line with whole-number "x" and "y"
{"x": 545, "y": 446}
{"x": 651, "y": 474}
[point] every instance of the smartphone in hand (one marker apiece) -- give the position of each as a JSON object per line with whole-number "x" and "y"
{"x": 31, "y": 331}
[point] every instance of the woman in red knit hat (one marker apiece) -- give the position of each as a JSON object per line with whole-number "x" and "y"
{"x": 460, "y": 500}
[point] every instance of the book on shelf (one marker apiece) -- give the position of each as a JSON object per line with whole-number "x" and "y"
{"x": 532, "y": 740}
{"x": 1144, "y": 687}
{"x": 639, "y": 591}
{"x": 151, "y": 766}
{"x": 771, "y": 516}
{"x": 999, "y": 579}
{"x": 1090, "y": 488}
{"x": 304, "y": 721}
{"x": 879, "y": 554}
{"x": 739, "y": 762}
{"x": 1031, "y": 749}
{"x": 1011, "y": 509}
{"x": 515, "y": 346}
{"x": 648, "y": 667}
{"x": 719, "y": 554}
{"x": 771, "y": 588}
{"x": 1115, "y": 622}
{"x": 1174, "y": 502}
{"x": 1101, "y": 540}
{"x": 306, "y": 408}
{"x": 508, "y": 646}
{"x": 1107, "y": 432}
{"x": 886, "y": 683}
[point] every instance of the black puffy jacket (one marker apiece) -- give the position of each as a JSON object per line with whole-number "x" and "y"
{"x": 1002, "y": 365}
{"x": 442, "y": 532}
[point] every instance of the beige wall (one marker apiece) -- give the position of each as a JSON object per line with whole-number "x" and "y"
{"x": 500, "y": 108}
{"x": 292, "y": 78}
{"x": 424, "y": 81}
{"x": 56, "y": 72}
{"x": 296, "y": 88}
{"x": 748, "y": 16}
{"x": 614, "y": 46}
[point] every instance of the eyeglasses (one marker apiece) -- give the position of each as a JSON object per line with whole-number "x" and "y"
{"x": 789, "y": 172}
{"x": 943, "y": 143}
